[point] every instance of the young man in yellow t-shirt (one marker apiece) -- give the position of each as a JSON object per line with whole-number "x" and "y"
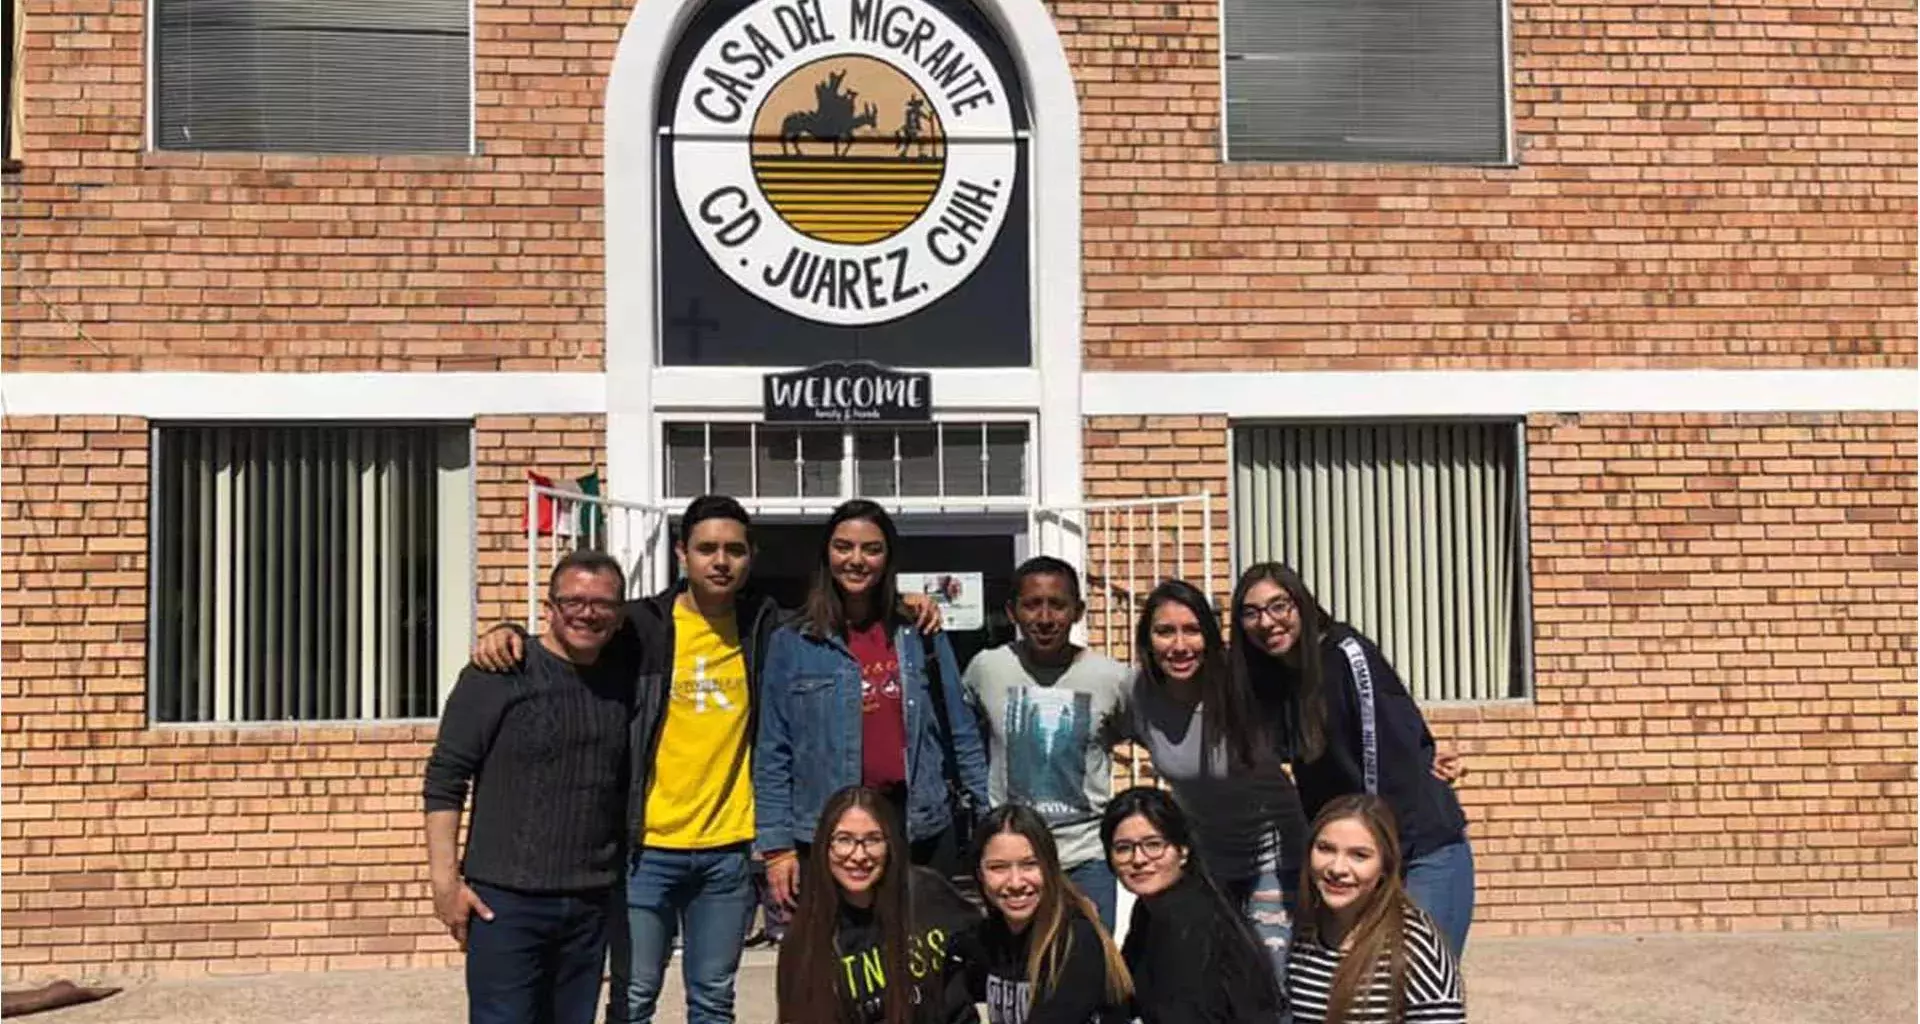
{"x": 689, "y": 815}
{"x": 692, "y": 867}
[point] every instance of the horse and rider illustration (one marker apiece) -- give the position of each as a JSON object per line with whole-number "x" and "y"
{"x": 833, "y": 121}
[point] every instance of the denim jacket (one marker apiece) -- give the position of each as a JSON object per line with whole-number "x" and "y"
{"x": 808, "y": 746}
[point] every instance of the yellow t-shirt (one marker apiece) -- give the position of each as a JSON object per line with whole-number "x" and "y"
{"x": 701, "y": 792}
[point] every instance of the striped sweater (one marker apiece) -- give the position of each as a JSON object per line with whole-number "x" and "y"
{"x": 1433, "y": 993}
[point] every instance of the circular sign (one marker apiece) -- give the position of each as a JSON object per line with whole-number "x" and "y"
{"x": 847, "y": 161}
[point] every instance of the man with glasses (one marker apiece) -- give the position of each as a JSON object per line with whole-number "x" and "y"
{"x": 543, "y": 746}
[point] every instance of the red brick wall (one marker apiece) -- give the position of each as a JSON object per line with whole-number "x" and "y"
{"x": 132, "y": 850}
{"x": 1729, "y": 184}
{"x": 1721, "y": 732}
{"x": 131, "y": 259}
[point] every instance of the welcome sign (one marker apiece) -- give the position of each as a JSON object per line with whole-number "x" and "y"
{"x": 848, "y": 392}
{"x": 857, "y": 195}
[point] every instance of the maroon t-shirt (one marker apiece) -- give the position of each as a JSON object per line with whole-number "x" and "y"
{"x": 883, "y": 715}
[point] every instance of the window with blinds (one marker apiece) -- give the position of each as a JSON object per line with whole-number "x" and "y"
{"x": 309, "y": 573}
{"x": 1366, "y": 80}
{"x": 1411, "y": 532}
{"x": 313, "y": 76}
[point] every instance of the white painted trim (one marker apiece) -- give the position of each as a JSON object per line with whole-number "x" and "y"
{"x": 733, "y": 393}
{"x": 304, "y": 396}
{"x": 1318, "y": 395}
{"x": 684, "y": 389}
{"x": 1052, "y": 386}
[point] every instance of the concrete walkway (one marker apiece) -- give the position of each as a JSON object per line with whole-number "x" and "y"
{"x": 1815, "y": 978}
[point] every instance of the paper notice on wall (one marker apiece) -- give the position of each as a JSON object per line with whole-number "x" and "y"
{"x": 960, "y": 595}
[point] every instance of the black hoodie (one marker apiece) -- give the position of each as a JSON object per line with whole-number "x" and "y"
{"x": 997, "y": 976}
{"x": 1425, "y": 808}
{"x": 1194, "y": 962}
{"x": 942, "y": 920}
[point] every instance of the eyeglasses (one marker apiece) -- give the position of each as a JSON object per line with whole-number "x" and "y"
{"x": 581, "y": 605}
{"x": 1151, "y": 849}
{"x": 1277, "y": 610}
{"x": 842, "y": 845}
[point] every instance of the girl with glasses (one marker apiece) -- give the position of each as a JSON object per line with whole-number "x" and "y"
{"x": 873, "y": 938}
{"x": 1365, "y": 953}
{"x": 1193, "y": 957}
{"x": 1349, "y": 726}
{"x": 1042, "y": 957}
{"x": 1217, "y": 753}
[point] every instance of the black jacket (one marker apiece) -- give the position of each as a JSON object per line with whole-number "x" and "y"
{"x": 1425, "y": 808}
{"x": 645, "y": 635}
{"x": 1194, "y": 962}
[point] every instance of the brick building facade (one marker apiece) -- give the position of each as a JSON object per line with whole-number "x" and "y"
{"x": 1688, "y": 293}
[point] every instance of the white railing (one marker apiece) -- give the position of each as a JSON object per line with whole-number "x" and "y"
{"x": 1127, "y": 548}
{"x": 1124, "y": 549}
{"x": 634, "y": 533}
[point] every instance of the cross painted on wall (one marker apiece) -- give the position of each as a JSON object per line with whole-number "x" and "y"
{"x": 694, "y": 324}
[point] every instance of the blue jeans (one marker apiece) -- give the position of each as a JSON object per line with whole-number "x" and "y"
{"x": 538, "y": 961}
{"x": 1095, "y": 879}
{"x": 1441, "y": 882}
{"x": 710, "y": 894}
{"x": 1268, "y": 900}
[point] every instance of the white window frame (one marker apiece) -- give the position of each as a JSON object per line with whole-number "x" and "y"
{"x": 1523, "y": 589}
{"x": 1509, "y": 159}
{"x": 457, "y": 518}
{"x": 799, "y": 507}
{"x": 151, "y": 99}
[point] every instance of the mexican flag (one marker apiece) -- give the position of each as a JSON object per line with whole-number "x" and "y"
{"x": 562, "y": 516}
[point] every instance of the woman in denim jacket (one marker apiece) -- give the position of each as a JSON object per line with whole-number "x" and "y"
{"x": 846, "y": 700}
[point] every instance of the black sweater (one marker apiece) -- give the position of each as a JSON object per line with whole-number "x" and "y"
{"x": 1425, "y": 808}
{"x": 1193, "y": 963}
{"x": 997, "y": 976}
{"x": 545, "y": 750}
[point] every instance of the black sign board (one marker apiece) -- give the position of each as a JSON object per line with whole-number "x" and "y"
{"x": 848, "y": 392}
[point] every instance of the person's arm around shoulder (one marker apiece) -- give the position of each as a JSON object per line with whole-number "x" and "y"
{"x": 968, "y": 750}
{"x": 500, "y": 649}
{"x": 459, "y": 749}
{"x": 773, "y": 769}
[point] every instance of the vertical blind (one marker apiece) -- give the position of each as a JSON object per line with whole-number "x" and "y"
{"x": 1366, "y": 80}
{"x": 313, "y": 76}
{"x": 308, "y": 573}
{"x": 1411, "y": 532}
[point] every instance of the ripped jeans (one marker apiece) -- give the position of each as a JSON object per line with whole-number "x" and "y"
{"x": 1268, "y": 900}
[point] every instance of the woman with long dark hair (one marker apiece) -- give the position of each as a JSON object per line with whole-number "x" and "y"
{"x": 1364, "y": 953}
{"x": 1350, "y": 726}
{"x": 1214, "y": 749}
{"x": 1042, "y": 957}
{"x": 1193, "y": 957}
{"x": 872, "y": 939}
{"x": 852, "y": 695}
